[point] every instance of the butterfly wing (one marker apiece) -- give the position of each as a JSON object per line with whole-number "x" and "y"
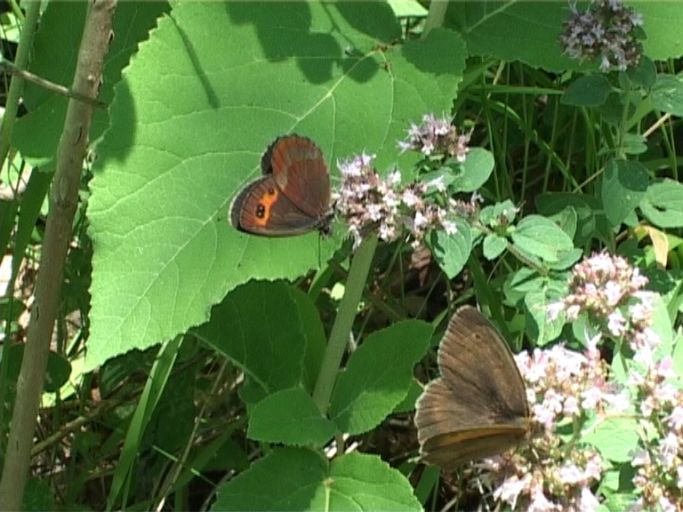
{"x": 476, "y": 362}
{"x": 298, "y": 167}
{"x": 453, "y": 449}
{"x": 261, "y": 208}
{"x": 451, "y": 434}
{"x": 479, "y": 404}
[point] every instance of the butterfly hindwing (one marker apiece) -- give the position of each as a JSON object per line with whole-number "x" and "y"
{"x": 263, "y": 209}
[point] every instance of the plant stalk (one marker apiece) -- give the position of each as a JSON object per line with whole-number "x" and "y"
{"x": 355, "y": 284}
{"x": 435, "y": 16}
{"x": 63, "y": 202}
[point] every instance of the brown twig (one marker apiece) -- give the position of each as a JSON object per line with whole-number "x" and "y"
{"x": 50, "y": 86}
{"x": 63, "y": 201}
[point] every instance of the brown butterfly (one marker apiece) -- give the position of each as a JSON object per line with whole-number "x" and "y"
{"x": 478, "y": 407}
{"x": 293, "y": 195}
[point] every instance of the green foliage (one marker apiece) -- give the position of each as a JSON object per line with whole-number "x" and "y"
{"x": 290, "y": 417}
{"x": 587, "y": 91}
{"x": 187, "y": 353}
{"x": 624, "y": 185}
{"x": 163, "y": 231}
{"x": 451, "y": 250}
{"x": 351, "y": 481}
{"x": 378, "y": 376}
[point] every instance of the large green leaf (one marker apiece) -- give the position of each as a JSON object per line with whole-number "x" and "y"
{"x": 661, "y": 22}
{"x": 528, "y": 31}
{"x": 667, "y": 94}
{"x": 213, "y": 85}
{"x": 291, "y": 417}
{"x": 378, "y": 376}
{"x": 299, "y": 479}
{"x": 264, "y": 328}
{"x": 513, "y": 30}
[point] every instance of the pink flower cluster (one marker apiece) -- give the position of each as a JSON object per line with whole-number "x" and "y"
{"x": 659, "y": 463}
{"x": 608, "y": 288}
{"x": 368, "y": 202}
{"x": 562, "y": 386}
{"x": 611, "y": 291}
{"x": 605, "y": 30}
{"x": 436, "y": 137}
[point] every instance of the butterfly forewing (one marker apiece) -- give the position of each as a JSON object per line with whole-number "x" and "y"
{"x": 478, "y": 407}
{"x": 299, "y": 169}
{"x": 475, "y": 360}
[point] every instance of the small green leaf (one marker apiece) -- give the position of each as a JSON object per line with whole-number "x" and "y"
{"x": 378, "y": 376}
{"x": 587, "y": 91}
{"x": 539, "y": 326}
{"x": 612, "y": 111}
{"x": 494, "y": 245}
{"x": 567, "y": 220}
{"x": 663, "y": 204}
{"x": 299, "y": 479}
{"x": 644, "y": 74}
{"x": 542, "y": 238}
{"x": 499, "y": 214}
{"x": 624, "y": 185}
{"x": 616, "y": 438}
{"x": 435, "y": 180}
{"x": 452, "y": 251}
{"x": 634, "y": 144}
{"x": 590, "y": 223}
{"x": 519, "y": 283}
{"x": 290, "y": 417}
{"x": 56, "y": 374}
{"x": 662, "y": 325}
{"x": 678, "y": 354}
{"x": 618, "y": 502}
{"x": 667, "y": 94}
{"x": 566, "y": 259}
{"x": 474, "y": 171}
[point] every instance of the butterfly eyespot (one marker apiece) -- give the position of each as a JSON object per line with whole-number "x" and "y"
{"x": 260, "y": 210}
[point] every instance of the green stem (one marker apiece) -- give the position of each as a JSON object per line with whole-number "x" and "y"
{"x": 355, "y": 283}
{"x": 435, "y": 16}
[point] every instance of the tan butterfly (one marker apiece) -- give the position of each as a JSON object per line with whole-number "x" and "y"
{"x": 478, "y": 407}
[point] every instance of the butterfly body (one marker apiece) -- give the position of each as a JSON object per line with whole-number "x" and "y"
{"x": 478, "y": 407}
{"x": 293, "y": 195}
